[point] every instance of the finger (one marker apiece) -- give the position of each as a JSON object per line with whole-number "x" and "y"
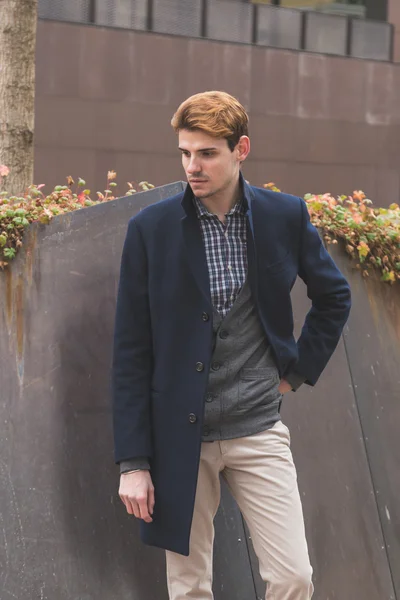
{"x": 151, "y": 501}
{"x": 144, "y": 510}
{"x": 127, "y": 504}
{"x": 134, "y": 509}
{"x": 125, "y": 501}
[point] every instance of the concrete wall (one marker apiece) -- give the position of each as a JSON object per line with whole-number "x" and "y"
{"x": 105, "y": 98}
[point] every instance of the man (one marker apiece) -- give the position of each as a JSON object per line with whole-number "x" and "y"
{"x": 204, "y": 352}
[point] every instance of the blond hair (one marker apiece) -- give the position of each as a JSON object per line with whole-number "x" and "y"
{"x": 216, "y": 113}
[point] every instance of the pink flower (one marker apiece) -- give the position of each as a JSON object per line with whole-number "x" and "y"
{"x": 4, "y": 171}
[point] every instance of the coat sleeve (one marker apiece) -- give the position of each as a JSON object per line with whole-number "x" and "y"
{"x": 132, "y": 355}
{"x": 329, "y": 293}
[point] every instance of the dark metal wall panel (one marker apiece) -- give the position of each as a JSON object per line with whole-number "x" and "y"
{"x": 230, "y": 20}
{"x": 393, "y": 9}
{"x": 73, "y": 10}
{"x": 370, "y": 40}
{"x": 233, "y": 576}
{"x": 372, "y": 340}
{"x": 122, "y": 13}
{"x": 278, "y": 28}
{"x": 377, "y": 9}
{"x": 343, "y": 529}
{"x": 64, "y": 532}
{"x": 326, "y": 33}
{"x": 177, "y": 17}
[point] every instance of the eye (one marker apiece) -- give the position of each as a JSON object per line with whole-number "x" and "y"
{"x": 185, "y": 153}
{"x": 208, "y": 153}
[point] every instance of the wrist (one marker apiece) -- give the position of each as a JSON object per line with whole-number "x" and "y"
{"x": 132, "y": 471}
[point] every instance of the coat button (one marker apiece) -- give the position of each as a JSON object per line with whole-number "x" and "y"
{"x": 192, "y": 418}
{"x": 209, "y": 398}
{"x": 199, "y": 367}
{"x": 205, "y": 316}
{"x": 223, "y": 334}
{"x": 216, "y": 366}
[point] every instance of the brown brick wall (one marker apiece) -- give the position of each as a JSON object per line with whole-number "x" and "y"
{"x": 105, "y": 98}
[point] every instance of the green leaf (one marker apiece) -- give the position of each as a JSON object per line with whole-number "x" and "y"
{"x": 388, "y": 276}
{"x": 9, "y": 253}
{"x": 3, "y": 240}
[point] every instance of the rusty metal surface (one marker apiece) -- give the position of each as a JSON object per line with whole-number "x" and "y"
{"x": 64, "y": 534}
{"x": 343, "y": 529}
{"x": 372, "y": 341}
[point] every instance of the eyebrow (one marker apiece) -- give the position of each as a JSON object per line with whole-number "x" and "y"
{"x": 199, "y": 150}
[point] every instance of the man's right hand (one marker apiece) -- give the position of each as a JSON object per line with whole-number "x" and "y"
{"x": 136, "y": 491}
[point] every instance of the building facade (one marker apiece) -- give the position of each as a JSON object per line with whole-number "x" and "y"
{"x": 322, "y": 91}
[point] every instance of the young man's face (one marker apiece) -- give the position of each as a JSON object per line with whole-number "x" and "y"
{"x": 211, "y": 167}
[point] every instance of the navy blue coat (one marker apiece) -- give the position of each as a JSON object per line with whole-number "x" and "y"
{"x": 162, "y": 334}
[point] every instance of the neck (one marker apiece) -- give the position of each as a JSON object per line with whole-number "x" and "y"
{"x": 222, "y": 202}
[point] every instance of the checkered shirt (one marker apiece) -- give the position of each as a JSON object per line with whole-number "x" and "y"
{"x": 226, "y": 252}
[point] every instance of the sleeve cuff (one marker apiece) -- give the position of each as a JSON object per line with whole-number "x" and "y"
{"x": 295, "y": 379}
{"x": 140, "y": 463}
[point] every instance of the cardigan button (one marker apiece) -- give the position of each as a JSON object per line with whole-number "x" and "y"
{"x": 199, "y": 367}
{"x": 216, "y": 366}
{"x": 223, "y": 334}
{"x": 192, "y": 418}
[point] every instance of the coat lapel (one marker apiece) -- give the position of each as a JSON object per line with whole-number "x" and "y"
{"x": 251, "y": 244}
{"x": 195, "y": 255}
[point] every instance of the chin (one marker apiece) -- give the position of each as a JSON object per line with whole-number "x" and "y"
{"x": 201, "y": 194}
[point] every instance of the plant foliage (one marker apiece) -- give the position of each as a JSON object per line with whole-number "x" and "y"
{"x": 17, "y": 213}
{"x": 371, "y": 235}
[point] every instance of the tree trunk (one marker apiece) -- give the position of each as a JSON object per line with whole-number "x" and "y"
{"x": 18, "y": 19}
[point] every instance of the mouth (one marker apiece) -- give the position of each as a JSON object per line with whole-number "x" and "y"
{"x": 197, "y": 181}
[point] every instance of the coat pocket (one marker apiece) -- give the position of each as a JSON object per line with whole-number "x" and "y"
{"x": 257, "y": 387}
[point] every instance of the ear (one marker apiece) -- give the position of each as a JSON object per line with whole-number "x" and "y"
{"x": 243, "y": 148}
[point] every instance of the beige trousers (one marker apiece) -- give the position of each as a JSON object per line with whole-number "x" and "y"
{"x": 261, "y": 476}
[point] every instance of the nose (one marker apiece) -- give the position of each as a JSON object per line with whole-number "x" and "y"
{"x": 193, "y": 166}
